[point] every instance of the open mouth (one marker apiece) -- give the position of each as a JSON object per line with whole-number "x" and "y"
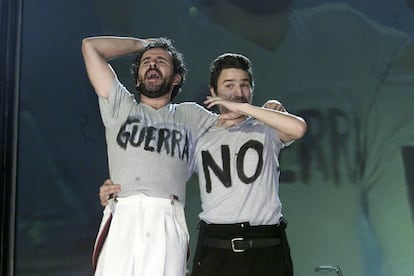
{"x": 152, "y": 75}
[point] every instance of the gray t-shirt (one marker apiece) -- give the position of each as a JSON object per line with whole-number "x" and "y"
{"x": 150, "y": 151}
{"x": 238, "y": 171}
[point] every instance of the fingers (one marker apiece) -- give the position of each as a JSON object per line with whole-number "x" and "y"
{"x": 275, "y": 105}
{"x": 108, "y": 182}
{"x": 214, "y": 101}
{"x": 107, "y": 191}
{"x": 272, "y": 104}
{"x": 211, "y": 101}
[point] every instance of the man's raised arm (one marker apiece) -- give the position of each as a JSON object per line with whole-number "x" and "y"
{"x": 96, "y": 53}
{"x": 288, "y": 126}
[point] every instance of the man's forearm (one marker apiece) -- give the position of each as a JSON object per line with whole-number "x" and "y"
{"x": 110, "y": 47}
{"x": 293, "y": 127}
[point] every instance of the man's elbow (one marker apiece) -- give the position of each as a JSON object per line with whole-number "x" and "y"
{"x": 86, "y": 45}
{"x": 300, "y": 129}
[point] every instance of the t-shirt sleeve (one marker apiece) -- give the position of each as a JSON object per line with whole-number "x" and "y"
{"x": 276, "y": 142}
{"x": 117, "y": 105}
{"x": 198, "y": 118}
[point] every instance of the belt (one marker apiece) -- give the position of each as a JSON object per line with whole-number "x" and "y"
{"x": 241, "y": 244}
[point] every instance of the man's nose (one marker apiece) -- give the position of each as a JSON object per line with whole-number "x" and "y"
{"x": 153, "y": 64}
{"x": 238, "y": 91}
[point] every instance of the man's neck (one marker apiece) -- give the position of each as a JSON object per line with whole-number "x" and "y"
{"x": 156, "y": 103}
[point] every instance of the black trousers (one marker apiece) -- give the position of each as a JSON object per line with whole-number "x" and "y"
{"x": 267, "y": 261}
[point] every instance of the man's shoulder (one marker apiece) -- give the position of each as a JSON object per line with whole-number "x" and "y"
{"x": 186, "y": 105}
{"x": 191, "y": 107}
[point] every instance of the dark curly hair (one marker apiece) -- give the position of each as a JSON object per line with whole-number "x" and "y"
{"x": 227, "y": 61}
{"x": 177, "y": 57}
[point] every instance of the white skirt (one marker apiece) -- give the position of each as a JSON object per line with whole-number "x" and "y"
{"x": 148, "y": 236}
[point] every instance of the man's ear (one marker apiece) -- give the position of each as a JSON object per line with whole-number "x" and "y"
{"x": 138, "y": 81}
{"x": 213, "y": 92}
{"x": 177, "y": 79}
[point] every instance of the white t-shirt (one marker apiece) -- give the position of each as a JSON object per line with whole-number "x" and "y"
{"x": 150, "y": 151}
{"x": 238, "y": 171}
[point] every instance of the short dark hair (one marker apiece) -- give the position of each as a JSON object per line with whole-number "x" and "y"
{"x": 177, "y": 57}
{"x": 227, "y": 61}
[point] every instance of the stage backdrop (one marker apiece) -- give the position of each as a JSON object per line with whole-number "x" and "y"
{"x": 346, "y": 187}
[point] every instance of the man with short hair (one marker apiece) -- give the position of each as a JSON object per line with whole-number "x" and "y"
{"x": 150, "y": 151}
{"x": 242, "y": 228}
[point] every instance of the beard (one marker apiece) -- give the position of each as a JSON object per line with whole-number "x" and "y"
{"x": 152, "y": 90}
